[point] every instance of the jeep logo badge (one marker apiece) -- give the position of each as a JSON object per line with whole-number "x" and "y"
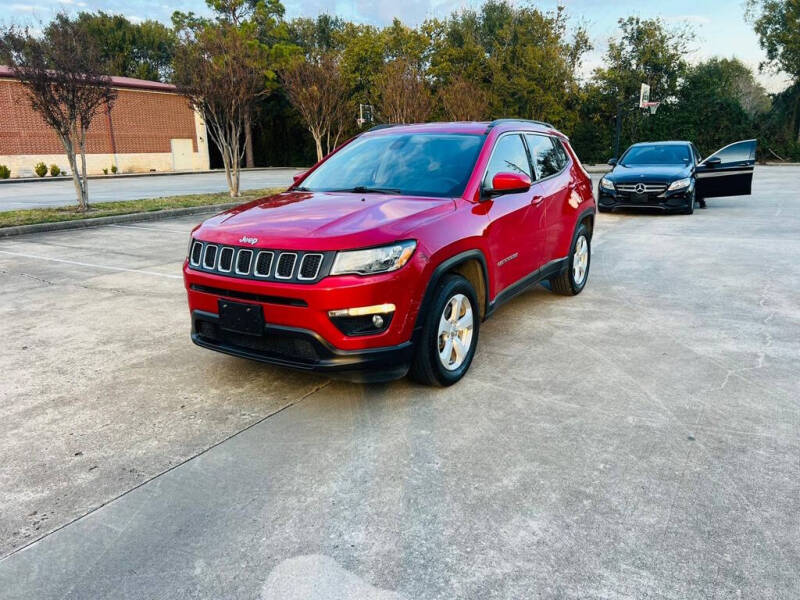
{"x": 248, "y": 240}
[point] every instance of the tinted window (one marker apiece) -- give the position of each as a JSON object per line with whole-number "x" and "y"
{"x": 546, "y": 158}
{"x": 509, "y": 156}
{"x": 738, "y": 152}
{"x": 413, "y": 164}
{"x": 657, "y": 154}
{"x": 561, "y": 154}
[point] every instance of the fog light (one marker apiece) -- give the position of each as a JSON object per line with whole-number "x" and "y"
{"x": 362, "y": 311}
{"x": 363, "y": 320}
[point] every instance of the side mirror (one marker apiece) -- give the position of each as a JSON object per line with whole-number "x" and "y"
{"x": 612, "y": 162}
{"x": 713, "y": 161}
{"x": 298, "y": 177}
{"x": 509, "y": 183}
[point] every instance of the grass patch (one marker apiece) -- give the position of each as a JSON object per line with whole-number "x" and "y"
{"x": 29, "y": 216}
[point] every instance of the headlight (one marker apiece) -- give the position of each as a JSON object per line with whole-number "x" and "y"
{"x": 374, "y": 260}
{"x": 680, "y": 184}
{"x": 607, "y": 184}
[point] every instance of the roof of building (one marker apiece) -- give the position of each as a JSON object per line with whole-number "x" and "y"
{"x": 117, "y": 82}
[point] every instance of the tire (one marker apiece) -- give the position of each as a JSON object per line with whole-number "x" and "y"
{"x": 690, "y": 209}
{"x": 602, "y": 209}
{"x": 428, "y": 365}
{"x": 566, "y": 283}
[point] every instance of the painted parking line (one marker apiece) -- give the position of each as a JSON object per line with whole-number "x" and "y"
{"x": 91, "y": 265}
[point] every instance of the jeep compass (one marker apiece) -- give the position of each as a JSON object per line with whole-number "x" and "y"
{"x": 387, "y": 255}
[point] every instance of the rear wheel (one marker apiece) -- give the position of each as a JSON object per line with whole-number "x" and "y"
{"x": 450, "y": 334}
{"x": 573, "y": 279}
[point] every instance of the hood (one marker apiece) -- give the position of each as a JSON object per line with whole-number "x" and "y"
{"x": 322, "y": 220}
{"x": 649, "y": 173}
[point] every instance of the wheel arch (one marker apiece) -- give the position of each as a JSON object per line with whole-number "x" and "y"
{"x": 470, "y": 264}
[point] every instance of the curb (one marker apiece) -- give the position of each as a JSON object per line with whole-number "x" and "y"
{"x": 112, "y": 219}
{"x": 129, "y": 175}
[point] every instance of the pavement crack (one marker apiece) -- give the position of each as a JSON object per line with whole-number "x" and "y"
{"x": 289, "y": 404}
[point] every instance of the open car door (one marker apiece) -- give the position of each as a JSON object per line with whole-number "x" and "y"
{"x": 727, "y": 172}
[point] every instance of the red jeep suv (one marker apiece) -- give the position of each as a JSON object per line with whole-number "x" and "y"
{"x": 388, "y": 254}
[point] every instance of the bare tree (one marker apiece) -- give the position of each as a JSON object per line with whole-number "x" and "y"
{"x": 319, "y": 92}
{"x": 462, "y": 100}
{"x": 404, "y": 94}
{"x": 62, "y": 72}
{"x": 220, "y": 67}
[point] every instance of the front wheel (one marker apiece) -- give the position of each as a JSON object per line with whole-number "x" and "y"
{"x": 689, "y": 210}
{"x": 450, "y": 334}
{"x": 573, "y": 279}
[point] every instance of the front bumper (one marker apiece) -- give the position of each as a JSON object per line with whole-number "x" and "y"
{"x": 298, "y": 331}
{"x": 302, "y": 349}
{"x": 667, "y": 201}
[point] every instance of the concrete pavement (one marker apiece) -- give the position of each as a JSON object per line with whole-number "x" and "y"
{"x": 61, "y": 192}
{"x": 640, "y": 440}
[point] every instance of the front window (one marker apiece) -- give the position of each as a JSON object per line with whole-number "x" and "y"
{"x": 509, "y": 156}
{"x": 661, "y": 154}
{"x": 411, "y": 164}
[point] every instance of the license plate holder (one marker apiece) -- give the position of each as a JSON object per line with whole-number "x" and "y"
{"x": 241, "y": 317}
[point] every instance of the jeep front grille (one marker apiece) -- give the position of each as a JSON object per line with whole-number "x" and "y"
{"x": 261, "y": 264}
{"x": 285, "y": 268}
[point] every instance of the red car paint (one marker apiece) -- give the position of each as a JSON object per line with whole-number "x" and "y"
{"x": 517, "y": 233}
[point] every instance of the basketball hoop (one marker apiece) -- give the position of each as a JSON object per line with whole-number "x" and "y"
{"x": 651, "y": 106}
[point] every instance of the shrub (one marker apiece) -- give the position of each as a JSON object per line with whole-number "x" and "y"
{"x": 114, "y": 169}
{"x": 55, "y": 171}
{"x": 40, "y": 169}
{"x": 105, "y": 171}
{"x": 5, "y": 172}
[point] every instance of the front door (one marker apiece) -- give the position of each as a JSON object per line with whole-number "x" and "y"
{"x": 516, "y": 221}
{"x": 727, "y": 172}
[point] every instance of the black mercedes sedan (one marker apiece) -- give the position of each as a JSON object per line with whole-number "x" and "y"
{"x": 671, "y": 176}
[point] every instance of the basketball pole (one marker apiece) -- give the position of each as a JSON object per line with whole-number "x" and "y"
{"x": 618, "y": 133}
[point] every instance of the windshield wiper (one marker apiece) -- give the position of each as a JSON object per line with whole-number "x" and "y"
{"x": 362, "y": 189}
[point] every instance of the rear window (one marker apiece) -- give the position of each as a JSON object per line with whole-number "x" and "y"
{"x": 657, "y": 154}
{"x": 412, "y": 164}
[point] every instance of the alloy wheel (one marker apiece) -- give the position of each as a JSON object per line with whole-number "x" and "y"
{"x": 580, "y": 260}
{"x": 455, "y": 332}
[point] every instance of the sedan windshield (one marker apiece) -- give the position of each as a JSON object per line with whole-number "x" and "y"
{"x": 411, "y": 164}
{"x": 657, "y": 154}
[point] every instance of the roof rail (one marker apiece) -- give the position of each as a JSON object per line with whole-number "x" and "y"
{"x": 381, "y": 126}
{"x": 497, "y": 122}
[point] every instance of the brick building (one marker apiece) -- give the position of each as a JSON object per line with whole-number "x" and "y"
{"x": 150, "y": 128}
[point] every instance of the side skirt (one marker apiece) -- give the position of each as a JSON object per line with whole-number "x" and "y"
{"x": 554, "y": 267}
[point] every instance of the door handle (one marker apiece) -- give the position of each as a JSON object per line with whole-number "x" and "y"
{"x": 537, "y": 199}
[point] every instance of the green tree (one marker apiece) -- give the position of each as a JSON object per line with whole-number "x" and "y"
{"x": 142, "y": 50}
{"x": 777, "y": 23}
{"x": 645, "y": 51}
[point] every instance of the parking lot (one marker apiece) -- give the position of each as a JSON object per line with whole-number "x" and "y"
{"x": 640, "y": 440}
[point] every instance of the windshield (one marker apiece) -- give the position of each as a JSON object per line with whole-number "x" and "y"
{"x": 411, "y": 164}
{"x": 661, "y": 154}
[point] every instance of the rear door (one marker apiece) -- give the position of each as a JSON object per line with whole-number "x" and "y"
{"x": 727, "y": 172}
{"x": 553, "y": 190}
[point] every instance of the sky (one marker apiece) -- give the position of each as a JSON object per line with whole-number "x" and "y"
{"x": 720, "y": 25}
